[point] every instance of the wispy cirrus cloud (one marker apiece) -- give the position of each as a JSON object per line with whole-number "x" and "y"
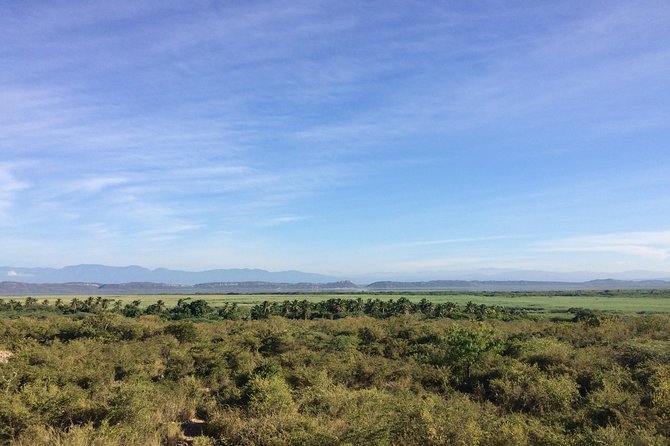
{"x": 650, "y": 244}
{"x": 96, "y": 184}
{"x": 450, "y": 241}
{"x": 159, "y": 125}
{"x": 282, "y": 219}
{"x": 10, "y": 187}
{"x": 438, "y": 264}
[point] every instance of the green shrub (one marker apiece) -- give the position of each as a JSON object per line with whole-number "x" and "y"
{"x": 525, "y": 388}
{"x": 268, "y": 396}
{"x": 183, "y": 331}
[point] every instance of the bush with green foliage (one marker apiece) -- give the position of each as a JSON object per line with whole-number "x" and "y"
{"x": 405, "y": 379}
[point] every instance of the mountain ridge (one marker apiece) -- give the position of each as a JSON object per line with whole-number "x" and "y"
{"x": 96, "y": 273}
{"x": 8, "y": 288}
{"x": 131, "y": 288}
{"x": 517, "y": 285}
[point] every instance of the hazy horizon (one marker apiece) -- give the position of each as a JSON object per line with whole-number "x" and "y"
{"x": 406, "y": 138}
{"x": 129, "y": 273}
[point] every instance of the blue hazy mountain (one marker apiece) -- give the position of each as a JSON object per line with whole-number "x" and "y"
{"x": 125, "y": 274}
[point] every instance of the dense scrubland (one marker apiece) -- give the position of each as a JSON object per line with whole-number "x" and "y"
{"x": 329, "y": 372}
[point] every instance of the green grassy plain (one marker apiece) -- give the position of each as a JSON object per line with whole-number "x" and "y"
{"x": 621, "y": 302}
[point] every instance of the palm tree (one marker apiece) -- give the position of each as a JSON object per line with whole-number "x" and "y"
{"x": 402, "y": 306}
{"x": 266, "y": 309}
{"x": 305, "y": 309}
{"x": 132, "y": 309}
{"x": 157, "y": 308}
{"x": 426, "y": 307}
{"x": 285, "y": 308}
{"x": 104, "y": 304}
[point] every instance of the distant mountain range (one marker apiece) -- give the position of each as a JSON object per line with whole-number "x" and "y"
{"x": 126, "y": 274}
{"x": 102, "y": 274}
{"x": 87, "y": 288}
{"x": 506, "y": 275}
{"x": 107, "y": 280}
{"x": 84, "y": 288}
{"x": 518, "y": 285}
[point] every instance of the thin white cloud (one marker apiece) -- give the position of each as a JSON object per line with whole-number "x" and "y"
{"x": 96, "y": 184}
{"x": 435, "y": 264}
{"x": 562, "y": 74}
{"x": 10, "y": 187}
{"x": 284, "y": 219}
{"x": 174, "y": 228}
{"x": 450, "y": 241}
{"x": 650, "y": 244}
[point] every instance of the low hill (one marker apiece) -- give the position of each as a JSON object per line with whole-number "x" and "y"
{"x": 133, "y": 274}
{"x": 80, "y": 288}
{"x": 517, "y": 285}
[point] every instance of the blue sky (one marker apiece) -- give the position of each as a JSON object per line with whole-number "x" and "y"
{"x": 347, "y": 138}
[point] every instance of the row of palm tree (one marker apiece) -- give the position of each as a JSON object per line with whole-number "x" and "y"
{"x": 378, "y": 308}
{"x": 76, "y": 305}
{"x": 333, "y": 308}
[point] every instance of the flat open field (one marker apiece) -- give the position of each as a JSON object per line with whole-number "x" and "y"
{"x": 623, "y": 302}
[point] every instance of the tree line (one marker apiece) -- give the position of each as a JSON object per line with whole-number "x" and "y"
{"x": 336, "y": 308}
{"x": 333, "y": 308}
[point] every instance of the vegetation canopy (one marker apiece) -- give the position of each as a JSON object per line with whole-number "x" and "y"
{"x": 393, "y": 371}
